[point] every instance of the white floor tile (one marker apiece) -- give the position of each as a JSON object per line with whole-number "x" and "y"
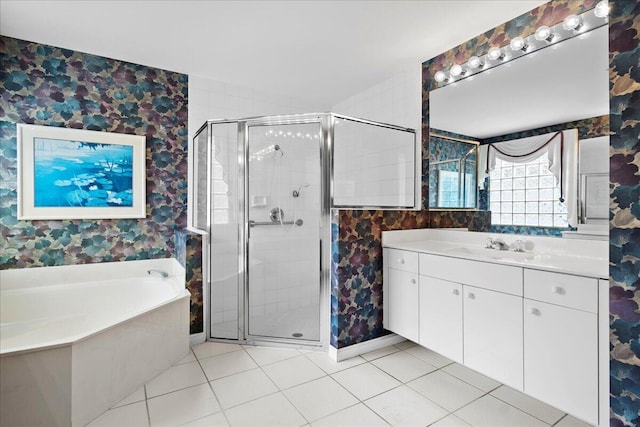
{"x": 133, "y": 415}
{"x": 329, "y": 365}
{"x": 291, "y": 372}
{"x": 365, "y": 381}
{"x": 227, "y": 364}
{"x": 355, "y": 416}
{"x": 570, "y": 421}
{"x": 273, "y": 410}
{"x": 470, "y": 376}
{"x": 531, "y": 406}
{"x": 403, "y": 406}
{"x": 136, "y": 396}
{"x": 176, "y": 378}
{"x": 445, "y": 390}
{"x": 188, "y": 358}
{"x": 242, "y": 387}
{"x": 319, "y": 398}
{"x": 403, "y": 366}
{"x": 182, "y": 406}
{"x": 491, "y": 412}
{"x": 209, "y": 349}
{"x": 405, "y": 345}
{"x": 450, "y": 421}
{"x": 215, "y": 420}
{"x": 429, "y": 356}
{"x": 267, "y": 355}
{"x": 380, "y": 353}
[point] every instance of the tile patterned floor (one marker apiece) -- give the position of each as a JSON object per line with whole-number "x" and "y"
{"x": 401, "y": 385}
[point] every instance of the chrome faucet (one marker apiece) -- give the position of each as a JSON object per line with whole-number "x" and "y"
{"x": 162, "y": 273}
{"x": 496, "y": 244}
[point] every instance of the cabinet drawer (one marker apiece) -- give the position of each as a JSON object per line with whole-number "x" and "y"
{"x": 495, "y": 277}
{"x": 403, "y": 260}
{"x": 562, "y": 289}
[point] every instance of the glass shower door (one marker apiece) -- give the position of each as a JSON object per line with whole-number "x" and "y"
{"x": 284, "y": 219}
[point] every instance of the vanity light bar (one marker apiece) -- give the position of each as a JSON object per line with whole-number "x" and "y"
{"x": 572, "y": 26}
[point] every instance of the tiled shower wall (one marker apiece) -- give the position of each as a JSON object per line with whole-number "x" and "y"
{"x": 211, "y": 99}
{"x": 46, "y": 85}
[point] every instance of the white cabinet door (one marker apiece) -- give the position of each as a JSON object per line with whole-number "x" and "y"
{"x": 441, "y": 317}
{"x": 402, "y": 311}
{"x": 493, "y": 334}
{"x": 561, "y": 358}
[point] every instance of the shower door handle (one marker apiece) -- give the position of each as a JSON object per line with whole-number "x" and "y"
{"x": 297, "y": 222}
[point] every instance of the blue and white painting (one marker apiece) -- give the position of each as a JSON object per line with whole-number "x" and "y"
{"x": 82, "y": 174}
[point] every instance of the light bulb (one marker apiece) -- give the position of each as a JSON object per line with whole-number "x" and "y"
{"x": 474, "y": 62}
{"x": 495, "y": 53}
{"x": 572, "y": 23}
{"x": 456, "y": 70}
{"x": 544, "y": 34}
{"x": 602, "y": 9}
{"x": 440, "y": 76}
{"x": 518, "y": 43}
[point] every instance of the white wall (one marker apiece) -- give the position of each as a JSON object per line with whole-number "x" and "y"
{"x": 365, "y": 171}
{"x": 211, "y": 99}
{"x": 397, "y": 100}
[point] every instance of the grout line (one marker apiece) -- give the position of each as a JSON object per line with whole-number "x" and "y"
{"x": 215, "y": 396}
{"x": 146, "y": 404}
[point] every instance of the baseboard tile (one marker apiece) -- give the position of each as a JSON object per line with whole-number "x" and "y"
{"x": 340, "y": 354}
{"x": 195, "y": 339}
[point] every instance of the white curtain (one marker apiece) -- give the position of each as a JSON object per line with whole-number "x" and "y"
{"x": 564, "y": 167}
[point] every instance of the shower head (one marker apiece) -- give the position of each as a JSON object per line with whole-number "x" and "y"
{"x": 277, "y": 148}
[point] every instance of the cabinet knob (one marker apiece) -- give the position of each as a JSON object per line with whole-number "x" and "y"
{"x": 401, "y": 260}
{"x": 558, "y": 290}
{"x": 471, "y": 295}
{"x": 534, "y": 311}
{"x": 456, "y": 292}
{"x": 413, "y": 281}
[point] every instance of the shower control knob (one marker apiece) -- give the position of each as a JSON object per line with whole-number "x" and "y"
{"x": 413, "y": 281}
{"x": 401, "y": 260}
{"x": 456, "y": 292}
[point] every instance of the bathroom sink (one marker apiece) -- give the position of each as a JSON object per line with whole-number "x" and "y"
{"x": 490, "y": 253}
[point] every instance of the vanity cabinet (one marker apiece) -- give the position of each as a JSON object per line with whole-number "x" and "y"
{"x": 561, "y": 341}
{"x": 440, "y": 316}
{"x": 537, "y": 331}
{"x": 400, "y": 313}
{"x": 493, "y": 334}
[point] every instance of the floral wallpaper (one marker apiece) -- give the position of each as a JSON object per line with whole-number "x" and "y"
{"x": 624, "y": 256}
{"x": 356, "y": 270}
{"x": 624, "y": 234}
{"x": 46, "y": 85}
{"x": 188, "y": 252}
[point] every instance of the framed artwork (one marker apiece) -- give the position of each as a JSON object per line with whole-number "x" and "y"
{"x": 79, "y": 174}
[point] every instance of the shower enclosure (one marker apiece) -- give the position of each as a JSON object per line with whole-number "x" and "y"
{"x": 263, "y": 189}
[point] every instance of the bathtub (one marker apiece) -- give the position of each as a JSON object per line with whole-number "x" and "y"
{"x": 75, "y": 340}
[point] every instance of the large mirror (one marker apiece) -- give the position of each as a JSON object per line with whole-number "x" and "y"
{"x": 562, "y": 87}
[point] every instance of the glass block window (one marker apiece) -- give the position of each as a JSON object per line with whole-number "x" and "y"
{"x": 525, "y": 194}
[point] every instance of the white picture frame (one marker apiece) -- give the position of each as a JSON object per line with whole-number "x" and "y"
{"x": 79, "y": 174}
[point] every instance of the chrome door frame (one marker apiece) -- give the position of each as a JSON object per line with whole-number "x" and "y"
{"x": 324, "y": 144}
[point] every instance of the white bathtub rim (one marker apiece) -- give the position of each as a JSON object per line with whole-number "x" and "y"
{"x": 23, "y": 278}
{"x": 68, "y": 341}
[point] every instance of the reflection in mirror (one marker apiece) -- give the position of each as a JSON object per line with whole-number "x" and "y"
{"x": 452, "y": 171}
{"x": 565, "y": 86}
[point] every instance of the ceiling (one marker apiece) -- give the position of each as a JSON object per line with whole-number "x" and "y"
{"x": 323, "y": 51}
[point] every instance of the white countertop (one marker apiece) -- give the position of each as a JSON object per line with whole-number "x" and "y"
{"x": 570, "y": 256}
